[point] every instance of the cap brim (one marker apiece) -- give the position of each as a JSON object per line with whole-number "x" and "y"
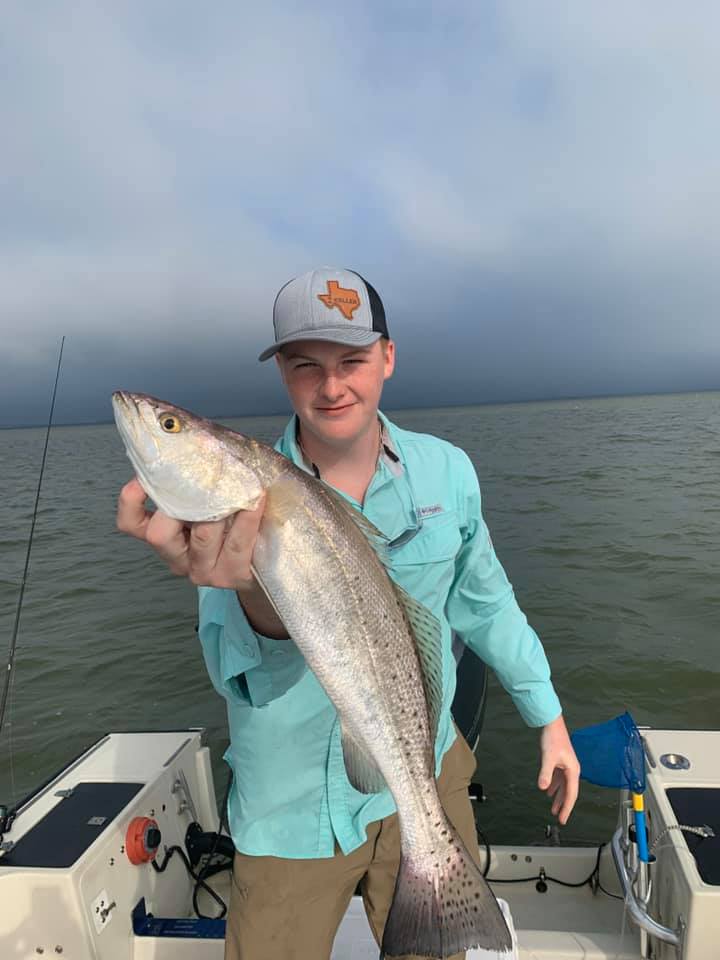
{"x": 343, "y": 335}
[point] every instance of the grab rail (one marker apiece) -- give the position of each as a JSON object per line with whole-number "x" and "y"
{"x": 638, "y": 913}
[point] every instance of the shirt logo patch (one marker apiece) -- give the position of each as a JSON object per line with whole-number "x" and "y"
{"x": 430, "y": 511}
{"x": 347, "y": 301}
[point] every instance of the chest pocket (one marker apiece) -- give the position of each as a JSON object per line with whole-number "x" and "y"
{"x": 425, "y": 565}
{"x": 438, "y": 539}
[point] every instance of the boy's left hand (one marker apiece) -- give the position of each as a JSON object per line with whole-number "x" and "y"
{"x": 559, "y": 768}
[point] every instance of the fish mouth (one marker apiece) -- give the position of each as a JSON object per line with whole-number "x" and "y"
{"x": 125, "y": 406}
{"x": 127, "y": 414}
{"x": 139, "y": 444}
{"x": 128, "y": 404}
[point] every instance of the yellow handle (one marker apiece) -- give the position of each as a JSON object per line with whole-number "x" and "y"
{"x": 638, "y": 802}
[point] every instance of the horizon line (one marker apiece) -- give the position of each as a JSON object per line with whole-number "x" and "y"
{"x": 440, "y": 406}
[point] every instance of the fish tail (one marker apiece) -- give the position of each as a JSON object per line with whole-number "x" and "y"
{"x": 443, "y": 905}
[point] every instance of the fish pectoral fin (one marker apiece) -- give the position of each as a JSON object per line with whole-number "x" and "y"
{"x": 426, "y": 629}
{"x": 283, "y": 499}
{"x": 362, "y": 771}
{"x": 259, "y": 581}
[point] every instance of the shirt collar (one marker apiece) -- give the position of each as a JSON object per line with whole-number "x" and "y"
{"x": 390, "y": 455}
{"x": 394, "y": 512}
{"x": 391, "y": 452}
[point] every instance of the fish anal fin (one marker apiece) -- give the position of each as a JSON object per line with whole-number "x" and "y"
{"x": 428, "y": 640}
{"x": 362, "y": 771}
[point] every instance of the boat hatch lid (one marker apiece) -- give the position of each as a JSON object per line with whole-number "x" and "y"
{"x": 61, "y": 837}
{"x": 697, "y": 807}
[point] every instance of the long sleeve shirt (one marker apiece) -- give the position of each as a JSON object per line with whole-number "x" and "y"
{"x": 291, "y": 796}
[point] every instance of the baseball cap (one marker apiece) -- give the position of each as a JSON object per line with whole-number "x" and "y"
{"x": 327, "y": 304}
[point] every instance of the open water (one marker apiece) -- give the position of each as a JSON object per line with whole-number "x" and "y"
{"x": 604, "y": 512}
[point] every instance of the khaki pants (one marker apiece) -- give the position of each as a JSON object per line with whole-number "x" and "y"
{"x": 284, "y": 909}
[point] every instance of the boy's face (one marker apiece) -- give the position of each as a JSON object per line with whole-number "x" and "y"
{"x": 334, "y": 389}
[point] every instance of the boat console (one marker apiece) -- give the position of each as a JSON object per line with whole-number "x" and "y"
{"x": 75, "y": 868}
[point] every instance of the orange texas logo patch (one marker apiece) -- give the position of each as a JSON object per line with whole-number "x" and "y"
{"x": 347, "y": 301}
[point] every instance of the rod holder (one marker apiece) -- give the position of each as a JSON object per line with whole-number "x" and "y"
{"x": 637, "y": 911}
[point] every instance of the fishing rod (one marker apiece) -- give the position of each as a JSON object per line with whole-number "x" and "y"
{"x": 13, "y": 638}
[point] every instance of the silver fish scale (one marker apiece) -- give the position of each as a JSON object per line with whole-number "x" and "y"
{"x": 339, "y": 605}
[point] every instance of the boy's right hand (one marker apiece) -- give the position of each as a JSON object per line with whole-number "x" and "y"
{"x": 213, "y": 554}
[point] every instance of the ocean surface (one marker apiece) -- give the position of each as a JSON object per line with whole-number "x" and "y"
{"x": 604, "y": 512}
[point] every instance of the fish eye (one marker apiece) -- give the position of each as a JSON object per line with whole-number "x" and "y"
{"x": 169, "y": 423}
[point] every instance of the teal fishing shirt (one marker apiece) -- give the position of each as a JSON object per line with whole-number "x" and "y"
{"x": 291, "y": 796}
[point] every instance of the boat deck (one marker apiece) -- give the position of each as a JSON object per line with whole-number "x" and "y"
{"x": 569, "y": 924}
{"x": 564, "y": 923}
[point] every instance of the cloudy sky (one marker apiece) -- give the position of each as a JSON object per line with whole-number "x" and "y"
{"x": 533, "y": 187}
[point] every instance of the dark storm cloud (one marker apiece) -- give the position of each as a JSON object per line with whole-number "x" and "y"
{"x": 532, "y": 188}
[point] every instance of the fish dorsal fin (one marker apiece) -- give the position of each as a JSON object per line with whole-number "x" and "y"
{"x": 362, "y": 771}
{"x": 426, "y": 629}
{"x": 377, "y": 539}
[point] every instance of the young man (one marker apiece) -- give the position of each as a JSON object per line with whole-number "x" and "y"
{"x": 305, "y": 838}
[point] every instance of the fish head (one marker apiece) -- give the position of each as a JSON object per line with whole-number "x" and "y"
{"x": 194, "y": 469}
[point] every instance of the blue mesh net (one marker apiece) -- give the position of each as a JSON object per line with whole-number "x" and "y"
{"x": 611, "y": 754}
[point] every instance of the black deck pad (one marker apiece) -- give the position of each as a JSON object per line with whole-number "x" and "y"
{"x": 698, "y": 807}
{"x": 66, "y": 832}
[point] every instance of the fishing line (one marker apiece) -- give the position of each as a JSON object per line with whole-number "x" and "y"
{"x": 13, "y": 638}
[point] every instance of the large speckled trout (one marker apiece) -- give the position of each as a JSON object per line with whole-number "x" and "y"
{"x": 374, "y": 649}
